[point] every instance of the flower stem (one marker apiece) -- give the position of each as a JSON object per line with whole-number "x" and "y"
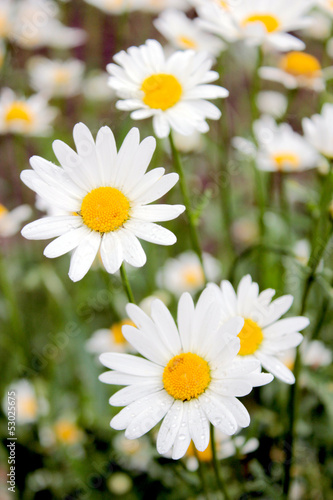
{"x": 201, "y": 474}
{"x": 186, "y": 198}
{"x": 126, "y": 284}
{"x": 221, "y": 485}
{"x": 293, "y": 403}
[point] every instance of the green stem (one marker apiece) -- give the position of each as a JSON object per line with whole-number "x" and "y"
{"x": 293, "y": 403}
{"x": 201, "y": 474}
{"x": 186, "y": 198}
{"x": 126, "y": 284}
{"x": 220, "y": 483}
{"x": 256, "y": 85}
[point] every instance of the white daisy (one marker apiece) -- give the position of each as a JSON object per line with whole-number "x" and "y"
{"x": 95, "y": 87}
{"x": 56, "y": 78}
{"x": 258, "y": 22}
{"x": 272, "y": 103}
{"x": 11, "y": 221}
{"x": 189, "y": 375}
{"x": 107, "y": 194}
{"x": 296, "y": 69}
{"x": 280, "y": 149}
{"x": 28, "y": 406}
{"x": 173, "y": 91}
{"x": 262, "y": 337}
{"x": 315, "y": 354}
{"x": 326, "y": 5}
{"x": 321, "y": 26}
{"x": 185, "y": 33}
{"x": 318, "y": 130}
{"x": 193, "y": 143}
{"x": 109, "y": 339}
{"x": 27, "y": 116}
{"x": 185, "y": 274}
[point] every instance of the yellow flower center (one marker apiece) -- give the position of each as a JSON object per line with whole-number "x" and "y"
{"x": 3, "y": 210}
{"x": 116, "y": 332}
{"x": 28, "y": 407}
{"x": 186, "y": 376}
{"x": 270, "y": 22}
{"x": 300, "y": 64}
{"x": 18, "y": 111}
{"x": 105, "y": 209}
{"x": 203, "y": 456}
{"x": 187, "y": 43}
{"x": 286, "y": 159}
{"x": 194, "y": 276}
{"x": 161, "y": 91}
{"x": 61, "y": 76}
{"x": 66, "y": 432}
{"x": 223, "y": 4}
{"x": 250, "y": 337}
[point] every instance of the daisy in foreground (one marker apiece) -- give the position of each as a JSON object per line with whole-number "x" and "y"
{"x": 189, "y": 375}
{"x": 262, "y": 336}
{"x": 173, "y": 91}
{"x": 106, "y": 195}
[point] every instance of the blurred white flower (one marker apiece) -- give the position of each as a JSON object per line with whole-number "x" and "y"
{"x": 56, "y": 78}
{"x": 192, "y": 143}
{"x": 257, "y": 22}
{"x": 184, "y": 273}
{"x": 28, "y": 407}
{"x": 245, "y": 231}
{"x": 302, "y": 251}
{"x": 155, "y": 6}
{"x": 326, "y": 5}
{"x": 114, "y": 6}
{"x": 185, "y": 33}
{"x": 11, "y": 221}
{"x": 134, "y": 454}
{"x": 162, "y": 295}
{"x": 296, "y": 69}
{"x": 119, "y": 483}
{"x": 27, "y": 116}
{"x": 109, "y": 339}
{"x": 280, "y": 149}
{"x": 315, "y": 354}
{"x": 272, "y": 103}
{"x": 96, "y": 88}
{"x": 319, "y": 132}
{"x": 320, "y": 28}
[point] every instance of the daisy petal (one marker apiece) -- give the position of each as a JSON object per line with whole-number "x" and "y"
{"x": 169, "y": 427}
{"x": 276, "y": 367}
{"x": 84, "y": 256}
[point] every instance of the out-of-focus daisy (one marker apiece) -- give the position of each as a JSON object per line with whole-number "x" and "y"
{"x": 258, "y": 22}
{"x": 27, "y": 116}
{"x": 95, "y": 87}
{"x": 302, "y": 250}
{"x": 296, "y": 69}
{"x": 272, "y": 103}
{"x": 264, "y": 336}
{"x": 189, "y": 375}
{"x": 36, "y": 25}
{"x": 326, "y": 5}
{"x": 114, "y": 6}
{"x": 135, "y": 454}
{"x": 226, "y": 446}
{"x": 185, "y": 274}
{"x": 108, "y": 196}
{"x": 318, "y": 130}
{"x": 185, "y": 33}
{"x": 173, "y": 91}
{"x": 146, "y": 303}
{"x": 119, "y": 483}
{"x": 27, "y": 406}
{"x": 11, "y": 221}
{"x": 109, "y": 339}
{"x": 245, "y": 231}
{"x": 315, "y": 354}
{"x": 192, "y": 143}
{"x": 67, "y": 432}
{"x": 320, "y": 28}
{"x": 56, "y": 78}
{"x": 280, "y": 148}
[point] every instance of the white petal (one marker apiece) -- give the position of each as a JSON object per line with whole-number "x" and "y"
{"x": 84, "y": 256}
{"x": 169, "y": 427}
{"x": 155, "y": 190}
{"x": 276, "y": 309}
{"x": 126, "y": 396}
{"x": 49, "y": 227}
{"x": 276, "y": 367}
{"x": 120, "y": 378}
{"x": 150, "y": 416}
{"x": 151, "y": 232}
{"x": 66, "y": 242}
{"x": 132, "y": 249}
{"x": 183, "y": 438}
{"x": 166, "y": 326}
{"x": 198, "y": 425}
{"x": 126, "y": 156}
{"x": 217, "y": 413}
{"x": 231, "y": 387}
{"x": 132, "y": 365}
{"x": 184, "y": 319}
{"x": 281, "y": 343}
{"x": 107, "y": 153}
{"x": 124, "y": 418}
{"x": 161, "y": 126}
{"x": 287, "y": 325}
{"x": 238, "y": 410}
{"x": 111, "y": 252}
{"x": 146, "y": 345}
{"x": 157, "y": 213}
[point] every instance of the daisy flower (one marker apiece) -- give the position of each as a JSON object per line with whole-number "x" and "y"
{"x": 264, "y": 336}
{"x": 28, "y": 405}
{"x": 318, "y": 130}
{"x": 296, "y": 69}
{"x": 185, "y": 273}
{"x": 11, "y": 221}
{"x": 27, "y": 116}
{"x": 173, "y": 91}
{"x": 185, "y": 33}
{"x": 188, "y": 376}
{"x": 56, "y": 78}
{"x": 109, "y": 339}
{"x": 326, "y": 5}
{"x": 107, "y": 195}
{"x": 280, "y": 148}
{"x": 272, "y": 103}
{"x": 114, "y": 6}
{"x": 258, "y": 22}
